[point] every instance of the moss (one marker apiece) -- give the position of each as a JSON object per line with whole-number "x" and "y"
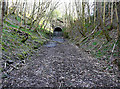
{"x": 31, "y": 51}
{"x": 19, "y": 19}
{"x": 20, "y": 56}
{"x": 35, "y": 47}
{"x": 34, "y": 37}
{"x": 25, "y": 53}
{"x": 94, "y": 43}
{"x": 3, "y": 48}
{"x": 1, "y": 69}
{"x": 77, "y": 43}
{"x": 29, "y": 23}
{"x": 104, "y": 68}
{"x": 41, "y": 42}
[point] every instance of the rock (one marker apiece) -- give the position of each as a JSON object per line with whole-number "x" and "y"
{"x": 35, "y": 47}
{"x": 5, "y": 75}
{"x": 36, "y": 42}
{"x": 73, "y": 80}
{"x": 62, "y": 78}
{"x": 23, "y": 61}
{"x": 110, "y": 71}
{"x": 10, "y": 61}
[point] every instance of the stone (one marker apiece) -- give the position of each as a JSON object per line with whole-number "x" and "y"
{"x": 73, "y": 80}
{"x": 10, "y": 61}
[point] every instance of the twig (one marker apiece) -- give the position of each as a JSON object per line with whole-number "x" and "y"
{"x": 10, "y": 70}
{"x": 112, "y": 52}
{"x": 5, "y": 65}
{"x": 89, "y": 34}
{"x": 14, "y": 66}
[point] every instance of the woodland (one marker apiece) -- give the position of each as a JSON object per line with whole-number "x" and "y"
{"x": 88, "y": 55}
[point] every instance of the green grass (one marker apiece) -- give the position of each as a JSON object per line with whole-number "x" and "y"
{"x": 15, "y": 26}
{"x": 18, "y": 19}
{"x": 97, "y": 33}
{"x": 94, "y": 43}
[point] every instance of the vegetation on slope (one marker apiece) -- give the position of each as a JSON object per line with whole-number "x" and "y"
{"x": 22, "y": 35}
{"x": 97, "y": 34}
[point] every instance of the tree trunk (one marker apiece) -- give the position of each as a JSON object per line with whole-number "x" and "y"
{"x": 102, "y": 24}
{"x": 104, "y": 14}
{"x": 112, "y": 12}
{"x": 0, "y": 50}
{"x": 6, "y": 7}
{"x": 118, "y": 11}
{"x": 94, "y": 14}
{"x": 83, "y": 18}
{"x": 0, "y": 19}
{"x": 32, "y": 15}
{"x": 2, "y": 15}
{"x": 89, "y": 12}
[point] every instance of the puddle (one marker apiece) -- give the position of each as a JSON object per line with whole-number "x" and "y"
{"x": 53, "y": 44}
{"x": 58, "y": 39}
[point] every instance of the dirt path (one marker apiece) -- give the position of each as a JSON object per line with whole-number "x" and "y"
{"x": 64, "y": 65}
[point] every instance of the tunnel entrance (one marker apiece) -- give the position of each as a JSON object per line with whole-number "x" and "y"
{"x": 58, "y": 29}
{"x": 57, "y": 37}
{"x": 58, "y": 32}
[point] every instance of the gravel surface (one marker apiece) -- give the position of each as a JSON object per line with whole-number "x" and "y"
{"x": 64, "y": 65}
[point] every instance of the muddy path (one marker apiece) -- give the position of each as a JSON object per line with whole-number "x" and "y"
{"x": 63, "y": 65}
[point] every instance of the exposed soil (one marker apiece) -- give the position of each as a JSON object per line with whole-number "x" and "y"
{"x": 64, "y": 65}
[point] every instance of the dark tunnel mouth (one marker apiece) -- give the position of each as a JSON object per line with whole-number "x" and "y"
{"x": 58, "y": 29}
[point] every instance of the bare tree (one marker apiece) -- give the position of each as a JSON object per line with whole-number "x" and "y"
{"x": 94, "y": 13}
{"x": 118, "y": 12}
{"x": 52, "y": 8}
{"x": 105, "y": 32}
{"x": 112, "y": 13}
{"x": 104, "y": 13}
{"x": 83, "y": 18}
{"x": 2, "y": 16}
{"x": 88, "y": 11}
{"x": 0, "y": 19}
{"x": 0, "y": 49}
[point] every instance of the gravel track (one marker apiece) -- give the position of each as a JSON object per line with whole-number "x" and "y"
{"x": 65, "y": 65}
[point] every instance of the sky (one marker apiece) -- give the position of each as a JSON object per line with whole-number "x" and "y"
{"x": 61, "y": 7}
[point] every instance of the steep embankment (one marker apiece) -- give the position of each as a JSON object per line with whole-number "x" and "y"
{"x": 18, "y": 44}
